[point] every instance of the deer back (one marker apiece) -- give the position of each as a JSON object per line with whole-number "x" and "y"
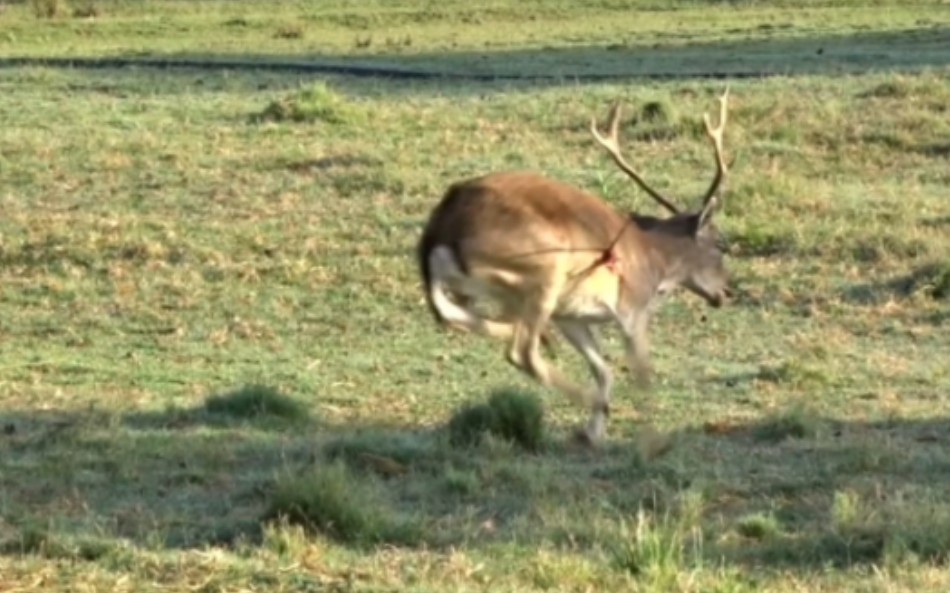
{"x": 521, "y": 221}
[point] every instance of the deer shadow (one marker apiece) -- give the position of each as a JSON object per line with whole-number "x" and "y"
{"x": 189, "y": 479}
{"x": 932, "y": 280}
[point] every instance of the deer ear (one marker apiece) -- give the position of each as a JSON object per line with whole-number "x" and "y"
{"x": 712, "y": 204}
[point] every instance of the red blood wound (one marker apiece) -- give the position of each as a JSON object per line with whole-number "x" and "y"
{"x": 610, "y": 261}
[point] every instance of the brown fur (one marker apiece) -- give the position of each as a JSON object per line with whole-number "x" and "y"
{"x": 522, "y": 221}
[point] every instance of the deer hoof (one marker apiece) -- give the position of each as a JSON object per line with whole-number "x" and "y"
{"x": 582, "y": 437}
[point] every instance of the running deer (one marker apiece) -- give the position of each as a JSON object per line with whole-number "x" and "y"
{"x": 549, "y": 254}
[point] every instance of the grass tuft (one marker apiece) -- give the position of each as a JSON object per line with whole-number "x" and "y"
{"x": 30, "y": 539}
{"x": 847, "y": 510}
{"x": 518, "y": 417}
{"x": 511, "y": 415}
{"x": 255, "y": 401}
{"x": 796, "y": 423}
{"x": 36, "y": 541}
{"x": 896, "y": 88}
{"x": 87, "y": 11}
{"x": 658, "y": 112}
{"x": 761, "y": 241}
{"x": 460, "y": 482}
{"x": 924, "y": 540}
{"x": 470, "y": 424}
{"x": 315, "y": 103}
{"x": 661, "y": 550}
{"x": 759, "y": 526}
{"x": 794, "y": 373}
{"x": 386, "y": 454}
{"x": 892, "y": 89}
{"x": 656, "y": 120}
{"x": 937, "y": 281}
{"x": 290, "y": 31}
{"x": 47, "y": 9}
{"x": 332, "y": 501}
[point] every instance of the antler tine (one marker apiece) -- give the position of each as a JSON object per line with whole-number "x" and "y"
{"x": 715, "y": 136}
{"x": 612, "y": 145}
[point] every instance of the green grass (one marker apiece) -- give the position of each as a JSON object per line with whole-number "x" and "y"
{"x": 549, "y": 37}
{"x": 316, "y": 103}
{"x": 161, "y": 243}
{"x": 759, "y": 526}
{"x": 330, "y": 500}
{"x": 509, "y": 415}
{"x": 254, "y": 401}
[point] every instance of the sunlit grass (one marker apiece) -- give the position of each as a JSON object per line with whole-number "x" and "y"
{"x": 161, "y": 244}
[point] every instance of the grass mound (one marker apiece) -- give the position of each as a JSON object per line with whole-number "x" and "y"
{"x": 256, "y": 401}
{"x": 930, "y": 280}
{"x": 656, "y": 120}
{"x": 510, "y": 415}
{"x": 48, "y": 9}
{"x": 796, "y": 423}
{"x": 388, "y": 455}
{"x": 761, "y": 240}
{"x": 793, "y": 372}
{"x": 332, "y": 501}
{"x": 906, "y": 88}
{"x": 759, "y": 526}
{"x": 315, "y": 103}
{"x": 659, "y": 547}
{"x": 518, "y": 417}
{"x": 36, "y": 540}
{"x": 933, "y": 280}
{"x": 470, "y": 423}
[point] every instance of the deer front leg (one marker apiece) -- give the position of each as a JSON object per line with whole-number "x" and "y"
{"x": 637, "y": 346}
{"x": 526, "y": 354}
{"x": 580, "y": 336}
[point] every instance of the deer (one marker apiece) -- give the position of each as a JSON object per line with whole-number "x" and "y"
{"x": 550, "y": 254}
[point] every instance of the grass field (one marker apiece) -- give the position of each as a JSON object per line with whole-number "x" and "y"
{"x": 219, "y": 374}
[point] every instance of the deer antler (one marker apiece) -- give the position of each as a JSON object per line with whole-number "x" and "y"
{"x": 612, "y": 145}
{"x": 715, "y": 136}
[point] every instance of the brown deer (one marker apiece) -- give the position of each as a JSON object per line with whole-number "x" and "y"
{"x": 550, "y": 253}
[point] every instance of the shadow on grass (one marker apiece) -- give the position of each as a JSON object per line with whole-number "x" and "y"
{"x": 539, "y": 67}
{"x": 262, "y": 406}
{"x": 936, "y": 221}
{"x": 931, "y": 280}
{"x": 156, "y": 480}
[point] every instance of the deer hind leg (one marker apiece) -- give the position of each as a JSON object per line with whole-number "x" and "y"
{"x": 449, "y": 279}
{"x": 457, "y": 311}
{"x": 525, "y": 347}
{"x": 582, "y": 338}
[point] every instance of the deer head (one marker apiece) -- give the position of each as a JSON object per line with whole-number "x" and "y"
{"x": 691, "y": 238}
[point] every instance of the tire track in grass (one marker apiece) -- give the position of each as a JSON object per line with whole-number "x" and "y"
{"x": 357, "y": 70}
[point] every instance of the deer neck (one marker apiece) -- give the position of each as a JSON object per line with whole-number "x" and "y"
{"x": 667, "y": 259}
{"x": 642, "y": 270}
